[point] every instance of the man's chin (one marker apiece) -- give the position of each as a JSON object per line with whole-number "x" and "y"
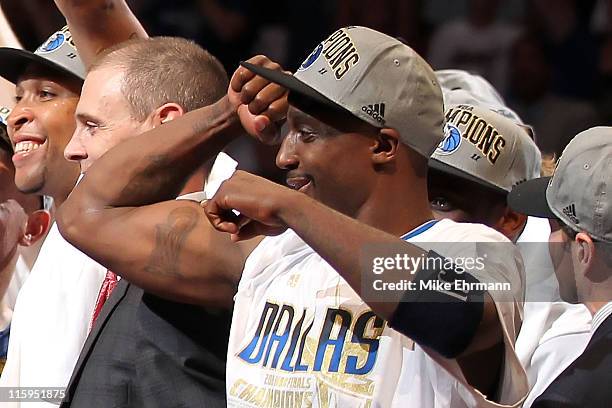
{"x": 30, "y": 185}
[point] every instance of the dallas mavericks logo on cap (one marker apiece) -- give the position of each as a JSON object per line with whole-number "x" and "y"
{"x": 52, "y": 44}
{"x": 451, "y": 141}
{"x": 311, "y": 58}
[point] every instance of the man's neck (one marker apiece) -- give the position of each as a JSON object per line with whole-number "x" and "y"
{"x": 61, "y": 193}
{"x": 594, "y": 307}
{"x": 397, "y": 209}
{"x": 58, "y": 200}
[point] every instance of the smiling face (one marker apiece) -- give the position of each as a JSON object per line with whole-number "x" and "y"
{"x": 103, "y": 118}
{"x": 39, "y": 127}
{"x": 330, "y": 165}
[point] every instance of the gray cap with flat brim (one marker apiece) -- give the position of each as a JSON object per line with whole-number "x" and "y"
{"x": 487, "y": 148}
{"x": 580, "y": 191}
{"x": 374, "y": 77}
{"x": 58, "y": 54}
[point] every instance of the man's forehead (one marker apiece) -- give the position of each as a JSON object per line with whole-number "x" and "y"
{"x": 104, "y": 77}
{"x": 454, "y": 184}
{"x": 294, "y": 113}
{"x": 342, "y": 122}
{"x": 36, "y": 73}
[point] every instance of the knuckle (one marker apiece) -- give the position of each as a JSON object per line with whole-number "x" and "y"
{"x": 249, "y": 90}
{"x": 258, "y": 58}
{"x": 257, "y": 104}
{"x": 274, "y": 66}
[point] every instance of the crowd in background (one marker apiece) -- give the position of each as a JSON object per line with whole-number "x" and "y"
{"x": 550, "y": 59}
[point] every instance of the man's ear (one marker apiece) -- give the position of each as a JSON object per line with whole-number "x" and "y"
{"x": 386, "y": 146}
{"x": 511, "y": 224}
{"x": 586, "y": 258}
{"x": 37, "y": 227}
{"x": 166, "y": 113}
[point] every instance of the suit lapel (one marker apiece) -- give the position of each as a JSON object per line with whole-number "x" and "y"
{"x": 109, "y": 306}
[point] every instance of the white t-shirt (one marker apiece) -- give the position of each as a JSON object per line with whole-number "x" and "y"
{"x": 301, "y": 336}
{"x": 554, "y": 333}
{"x": 19, "y": 269}
{"x": 51, "y": 317}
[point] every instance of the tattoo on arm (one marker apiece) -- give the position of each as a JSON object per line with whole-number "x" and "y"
{"x": 152, "y": 184}
{"x": 169, "y": 240}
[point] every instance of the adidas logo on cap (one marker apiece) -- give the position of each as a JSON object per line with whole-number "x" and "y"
{"x": 377, "y": 111}
{"x": 570, "y": 211}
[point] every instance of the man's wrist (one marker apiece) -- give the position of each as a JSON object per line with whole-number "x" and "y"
{"x": 218, "y": 117}
{"x": 293, "y": 208}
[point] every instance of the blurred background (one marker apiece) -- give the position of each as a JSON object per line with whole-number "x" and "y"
{"x": 551, "y": 59}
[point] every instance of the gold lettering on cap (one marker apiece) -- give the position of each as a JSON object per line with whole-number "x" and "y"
{"x": 483, "y": 135}
{"x": 340, "y": 53}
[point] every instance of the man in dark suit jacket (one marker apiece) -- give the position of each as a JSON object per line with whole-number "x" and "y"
{"x": 144, "y": 351}
{"x": 579, "y": 198}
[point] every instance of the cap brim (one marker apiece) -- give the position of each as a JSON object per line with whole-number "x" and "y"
{"x": 436, "y": 164}
{"x": 530, "y": 198}
{"x": 15, "y": 62}
{"x": 294, "y": 85}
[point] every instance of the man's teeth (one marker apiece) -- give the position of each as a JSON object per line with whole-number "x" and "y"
{"x": 26, "y": 147}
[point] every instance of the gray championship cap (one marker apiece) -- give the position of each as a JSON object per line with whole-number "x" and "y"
{"x": 580, "y": 191}
{"x": 58, "y": 53}
{"x": 374, "y": 77}
{"x": 486, "y": 148}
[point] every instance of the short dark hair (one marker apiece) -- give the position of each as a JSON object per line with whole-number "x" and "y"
{"x": 569, "y": 231}
{"x": 160, "y": 70}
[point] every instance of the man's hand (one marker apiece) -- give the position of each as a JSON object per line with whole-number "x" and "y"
{"x": 251, "y": 95}
{"x": 259, "y": 202}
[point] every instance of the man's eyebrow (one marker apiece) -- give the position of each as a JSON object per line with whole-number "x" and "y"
{"x": 299, "y": 116}
{"x": 85, "y": 117}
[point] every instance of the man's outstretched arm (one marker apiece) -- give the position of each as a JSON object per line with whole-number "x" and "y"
{"x": 97, "y": 25}
{"x": 123, "y": 213}
{"x": 267, "y": 208}
{"x": 166, "y": 248}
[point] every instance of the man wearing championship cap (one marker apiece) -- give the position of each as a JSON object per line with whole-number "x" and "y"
{"x": 482, "y": 149}
{"x": 469, "y": 183}
{"x": 366, "y": 113}
{"x": 577, "y": 197}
